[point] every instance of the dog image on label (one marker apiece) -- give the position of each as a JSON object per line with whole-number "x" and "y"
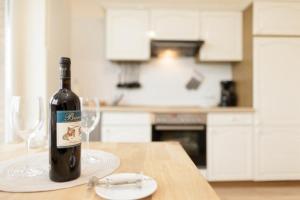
{"x": 71, "y": 132}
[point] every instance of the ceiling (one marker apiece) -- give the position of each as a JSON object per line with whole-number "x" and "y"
{"x": 191, "y": 4}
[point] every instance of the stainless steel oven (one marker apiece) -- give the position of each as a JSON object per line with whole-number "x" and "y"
{"x": 188, "y": 129}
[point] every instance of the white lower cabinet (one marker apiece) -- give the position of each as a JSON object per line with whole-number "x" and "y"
{"x": 126, "y": 133}
{"x": 277, "y": 153}
{"x": 126, "y": 127}
{"x": 229, "y": 147}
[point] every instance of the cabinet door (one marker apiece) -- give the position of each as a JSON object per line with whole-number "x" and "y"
{"x": 229, "y": 153}
{"x": 126, "y": 35}
{"x": 175, "y": 24}
{"x": 276, "y": 81}
{"x": 276, "y": 18}
{"x": 222, "y": 35}
{"x": 126, "y": 133}
{"x": 126, "y": 118}
{"x": 277, "y": 105}
{"x": 277, "y": 153}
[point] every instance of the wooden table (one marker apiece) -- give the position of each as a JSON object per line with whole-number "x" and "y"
{"x": 177, "y": 177}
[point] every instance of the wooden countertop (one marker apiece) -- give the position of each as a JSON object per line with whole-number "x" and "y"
{"x": 177, "y": 177}
{"x": 174, "y": 109}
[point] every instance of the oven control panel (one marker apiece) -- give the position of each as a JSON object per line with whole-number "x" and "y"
{"x": 179, "y": 118}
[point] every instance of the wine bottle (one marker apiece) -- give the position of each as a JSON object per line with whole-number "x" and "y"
{"x": 64, "y": 128}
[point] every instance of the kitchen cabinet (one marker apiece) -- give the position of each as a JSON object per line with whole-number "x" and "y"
{"x": 277, "y": 153}
{"x": 126, "y": 127}
{"x": 277, "y": 123}
{"x": 276, "y": 74}
{"x": 229, "y": 146}
{"x": 276, "y": 18}
{"x": 175, "y": 24}
{"x": 127, "y": 34}
{"x": 129, "y": 31}
{"x": 222, "y": 35}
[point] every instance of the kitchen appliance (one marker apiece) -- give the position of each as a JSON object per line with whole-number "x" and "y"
{"x": 182, "y": 48}
{"x": 228, "y": 94}
{"x": 186, "y": 128}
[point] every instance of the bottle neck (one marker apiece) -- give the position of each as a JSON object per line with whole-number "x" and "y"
{"x": 65, "y": 83}
{"x": 65, "y": 76}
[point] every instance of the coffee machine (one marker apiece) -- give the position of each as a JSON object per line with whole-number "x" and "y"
{"x": 228, "y": 94}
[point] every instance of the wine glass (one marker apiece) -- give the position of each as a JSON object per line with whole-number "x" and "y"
{"x": 90, "y": 116}
{"x": 27, "y": 119}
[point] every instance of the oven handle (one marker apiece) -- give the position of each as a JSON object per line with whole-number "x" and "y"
{"x": 180, "y": 127}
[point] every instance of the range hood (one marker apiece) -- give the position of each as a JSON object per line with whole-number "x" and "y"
{"x": 180, "y": 48}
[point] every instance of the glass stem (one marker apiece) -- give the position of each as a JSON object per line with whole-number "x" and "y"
{"x": 88, "y": 144}
{"x": 27, "y": 146}
{"x": 26, "y": 167}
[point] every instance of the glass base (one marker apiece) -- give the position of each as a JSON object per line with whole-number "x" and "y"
{"x": 87, "y": 158}
{"x": 25, "y": 171}
{"x": 92, "y": 159}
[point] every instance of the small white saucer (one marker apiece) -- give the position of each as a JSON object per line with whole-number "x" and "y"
{"x": 147, "y": 188}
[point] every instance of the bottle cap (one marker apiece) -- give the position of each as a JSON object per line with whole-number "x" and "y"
{"x": 65, "y": 61}
{"x": 65, "y": 71}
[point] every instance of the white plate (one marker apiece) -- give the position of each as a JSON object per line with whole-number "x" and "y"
{"x": 147, "y": 188}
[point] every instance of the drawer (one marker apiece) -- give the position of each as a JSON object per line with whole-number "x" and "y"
{"x": 126, "y": 134}
{"x": 229, "y": 119}
{"x": 126, "y": 118}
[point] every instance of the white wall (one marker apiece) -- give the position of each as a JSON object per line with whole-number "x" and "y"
{"x": 58, "y": 40}
{"x": 163, "y": 82}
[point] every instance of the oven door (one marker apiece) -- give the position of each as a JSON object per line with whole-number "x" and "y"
{"x": 191, "y": 137}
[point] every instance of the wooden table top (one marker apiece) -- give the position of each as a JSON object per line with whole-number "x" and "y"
{"x": 177, "y": 177}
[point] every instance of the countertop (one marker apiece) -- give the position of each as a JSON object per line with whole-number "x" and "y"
{"x": 174, "y": 109}
{"x": 177, "y": 176}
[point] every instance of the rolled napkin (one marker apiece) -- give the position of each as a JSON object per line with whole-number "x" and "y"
{"x": 107, "y": 182}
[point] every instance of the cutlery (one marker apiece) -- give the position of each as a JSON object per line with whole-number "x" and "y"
{"x": 107, "y": 182}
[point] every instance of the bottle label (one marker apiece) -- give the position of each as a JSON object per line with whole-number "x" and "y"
{"x": 68, "y": 128}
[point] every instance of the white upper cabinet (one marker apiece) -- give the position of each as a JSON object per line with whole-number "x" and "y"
{"x": 126, "y": 34}
{"x": 175, "y": 24}
{"x": 276, "y": 18}
{"x": 222, "y": 35}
